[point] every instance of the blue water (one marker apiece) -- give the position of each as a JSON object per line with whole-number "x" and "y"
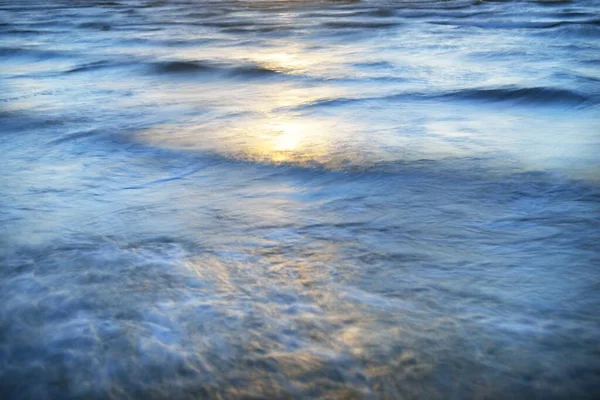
{"x": 299, "y": 199}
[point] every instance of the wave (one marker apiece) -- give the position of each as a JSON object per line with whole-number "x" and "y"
{"x": 531, "y": 95}
{"x": 75, "y": 136}
{"x": 359, "y": 24}
{"x": 524, "y": 95}
{"x": 175, "y": 67}
{"x": 189, "y": 68}
{"x": 175, "y": 177}
{"x": 92, "y": 66}
{"x": 195, "y": 67}
{"x": 519, "y": 24}
{"x": 102, "y": 26}
{"x": 30, "y": 52}
{"x": 22, "y": 32}
{"x": 355, "y": 164}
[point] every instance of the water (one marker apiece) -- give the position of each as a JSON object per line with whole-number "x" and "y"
{"x": 299, "y": 199}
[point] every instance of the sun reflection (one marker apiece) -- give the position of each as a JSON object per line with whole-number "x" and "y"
{"x": 271, "y": 138}
{"x": 291, "y": 61}
{"x": 289, "y": 139}
{"x": 263, "y": 121}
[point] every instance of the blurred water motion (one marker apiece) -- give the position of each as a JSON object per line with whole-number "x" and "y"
{"x": 297, "y": 141}
{"x": 299, "y": 199}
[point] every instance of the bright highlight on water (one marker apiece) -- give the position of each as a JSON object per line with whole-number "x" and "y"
{"x": 311, "y": 199}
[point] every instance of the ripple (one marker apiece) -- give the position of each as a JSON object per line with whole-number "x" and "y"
{"x": 235, "y": 199}
{"x": 196, "y": 67}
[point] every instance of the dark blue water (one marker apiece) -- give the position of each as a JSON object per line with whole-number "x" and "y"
{"x": 299, "y": 199}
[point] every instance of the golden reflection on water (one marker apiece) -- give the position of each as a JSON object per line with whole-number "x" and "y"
{"x": 269, "y": 130}
{"x": 284, "y": 139}
{"x": 269, "y": 138}
{"x": 291, "y": 60}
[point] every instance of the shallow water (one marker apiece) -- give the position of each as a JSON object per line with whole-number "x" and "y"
{"x": 299, "y": 199}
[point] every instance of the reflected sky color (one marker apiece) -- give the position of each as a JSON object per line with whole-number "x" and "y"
{"x": 299, "y": 199}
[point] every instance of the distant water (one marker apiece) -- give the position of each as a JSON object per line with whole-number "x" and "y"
{"x": 299, "y": 199}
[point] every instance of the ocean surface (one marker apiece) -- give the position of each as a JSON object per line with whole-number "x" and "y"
{"x": 299, "y": 199}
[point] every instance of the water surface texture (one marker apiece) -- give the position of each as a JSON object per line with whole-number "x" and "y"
{"x": 299, "y": 199}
